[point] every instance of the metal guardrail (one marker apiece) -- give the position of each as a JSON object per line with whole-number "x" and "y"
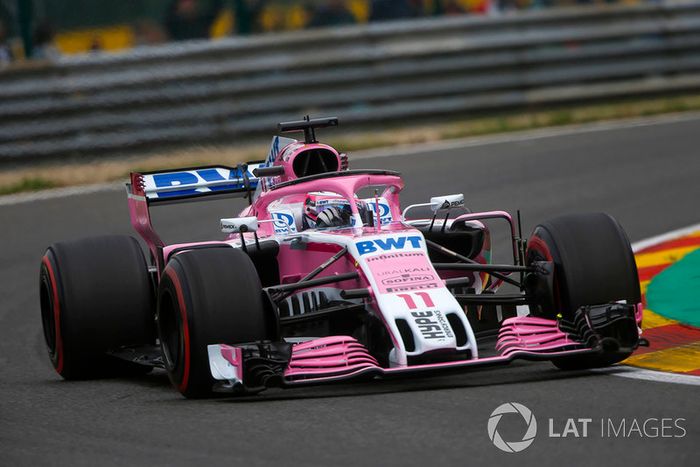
{"x": 216, "y": 91}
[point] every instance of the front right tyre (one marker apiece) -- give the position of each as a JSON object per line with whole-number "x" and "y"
{"x": 593, "y": 265}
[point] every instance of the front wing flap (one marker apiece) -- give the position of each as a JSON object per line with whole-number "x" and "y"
{"x": 597, "y": 329}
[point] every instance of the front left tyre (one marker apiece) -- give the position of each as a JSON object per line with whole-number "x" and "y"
{"x": 96, "y": 296}
{"x": 207, "y": 296}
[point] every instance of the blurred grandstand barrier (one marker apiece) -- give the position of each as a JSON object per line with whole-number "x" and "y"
{"x": 204, "y": 91}
{"x": 82, "y": 26}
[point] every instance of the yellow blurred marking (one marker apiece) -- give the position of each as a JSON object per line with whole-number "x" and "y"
{"x": 81, "y": 40}
{"x": 645, "y": 260}
{"x": 654, "y": 320}
{"x": 223, "y": 25}
{"x": 677, "y": 359}
{"x": 643, "y": 286}
{"x": 297, "y": 17}
{"x": 360, "y": 9}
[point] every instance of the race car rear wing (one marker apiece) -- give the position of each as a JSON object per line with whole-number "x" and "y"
{"x": 181, "y": 185}
{"x": 194, "y": 182}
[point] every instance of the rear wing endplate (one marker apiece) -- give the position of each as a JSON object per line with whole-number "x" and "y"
{"x": 181, "y": 185}
{"x": 146, "y": 189}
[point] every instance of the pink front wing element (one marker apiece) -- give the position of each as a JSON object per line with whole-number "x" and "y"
{"x": 328, "y": 356}
{"x": 638, "y": 313}
{"x": 403, "y": 271}
{"x": 343, "y": 371}
{"x": 532, "y": 334}
{"x": 342, "y": 357}
{"x": 234, "y": 355}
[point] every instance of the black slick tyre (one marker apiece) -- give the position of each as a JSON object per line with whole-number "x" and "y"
{"x": 207, "y": 296}
{"x": 593, "y": 265}
{"x": 96, "y": 296}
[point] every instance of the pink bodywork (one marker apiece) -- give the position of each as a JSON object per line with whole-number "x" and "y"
{"x": 341, "y": 357}
{"x": 526, "y": 333}
{"x": 328, "y": 356}
{"x": 344, "y": 186}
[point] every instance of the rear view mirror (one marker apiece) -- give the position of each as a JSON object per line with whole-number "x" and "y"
{"x": 438, "y": 203}
{"x": 274, "y": 171}
{"x": 239, "y": 224}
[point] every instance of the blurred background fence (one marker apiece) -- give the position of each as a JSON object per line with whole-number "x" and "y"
{"x": 76, "y": 26}
{"x": 225, "y": 90}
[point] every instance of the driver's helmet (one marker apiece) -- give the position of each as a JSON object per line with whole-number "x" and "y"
{"x": 323, "y": 210}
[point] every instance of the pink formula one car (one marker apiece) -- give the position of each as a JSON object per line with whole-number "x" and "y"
{"x": 324, "y": 278}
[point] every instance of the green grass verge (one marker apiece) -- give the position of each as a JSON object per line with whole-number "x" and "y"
{"x": 521, "y": 121}
{"x": 41, "y": 177}
{"x": 27, "y": 184}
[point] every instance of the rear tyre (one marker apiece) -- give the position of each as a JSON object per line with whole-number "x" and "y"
{"x": 96, "y": 296}
{"x": 207, "y": 297}
{"x": 593, "y": 265}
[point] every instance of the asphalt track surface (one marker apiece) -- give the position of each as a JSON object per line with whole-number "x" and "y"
{"x": 647, "y": 177}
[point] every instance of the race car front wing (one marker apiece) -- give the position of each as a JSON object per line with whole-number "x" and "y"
{"x": 255, "y": 366}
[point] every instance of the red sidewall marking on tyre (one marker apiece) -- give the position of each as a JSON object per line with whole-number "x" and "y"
{"x": 56, "y": 314}
{"x": 182, "y": 306}
{"x": 537, "y": 244}
{"x": 540, "y": 246}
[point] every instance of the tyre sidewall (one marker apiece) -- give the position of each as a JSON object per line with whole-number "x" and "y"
{"x": 51, "y": 311}
{"x": 218, "y": 299}
{"x": 101, "y": 300}
{"x": 593, "y": 265}
{"x": 593, "y": 262}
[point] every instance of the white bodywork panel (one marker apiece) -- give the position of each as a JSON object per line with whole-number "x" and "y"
{"x": 406, "y": 287}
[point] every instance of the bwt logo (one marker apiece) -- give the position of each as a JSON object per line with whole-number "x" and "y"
{"x": 388, "y": 244}
{"x": 528, "y": 437}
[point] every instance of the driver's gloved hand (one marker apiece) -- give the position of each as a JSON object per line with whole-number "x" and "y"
{"x": 333, "y": 217}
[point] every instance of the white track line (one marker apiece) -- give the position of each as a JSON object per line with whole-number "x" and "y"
{"x": 473, "y": 141}
{"x": 672, "y": 235}
{"x": 642, "y": 373}
{"x": 650, "y": 375}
